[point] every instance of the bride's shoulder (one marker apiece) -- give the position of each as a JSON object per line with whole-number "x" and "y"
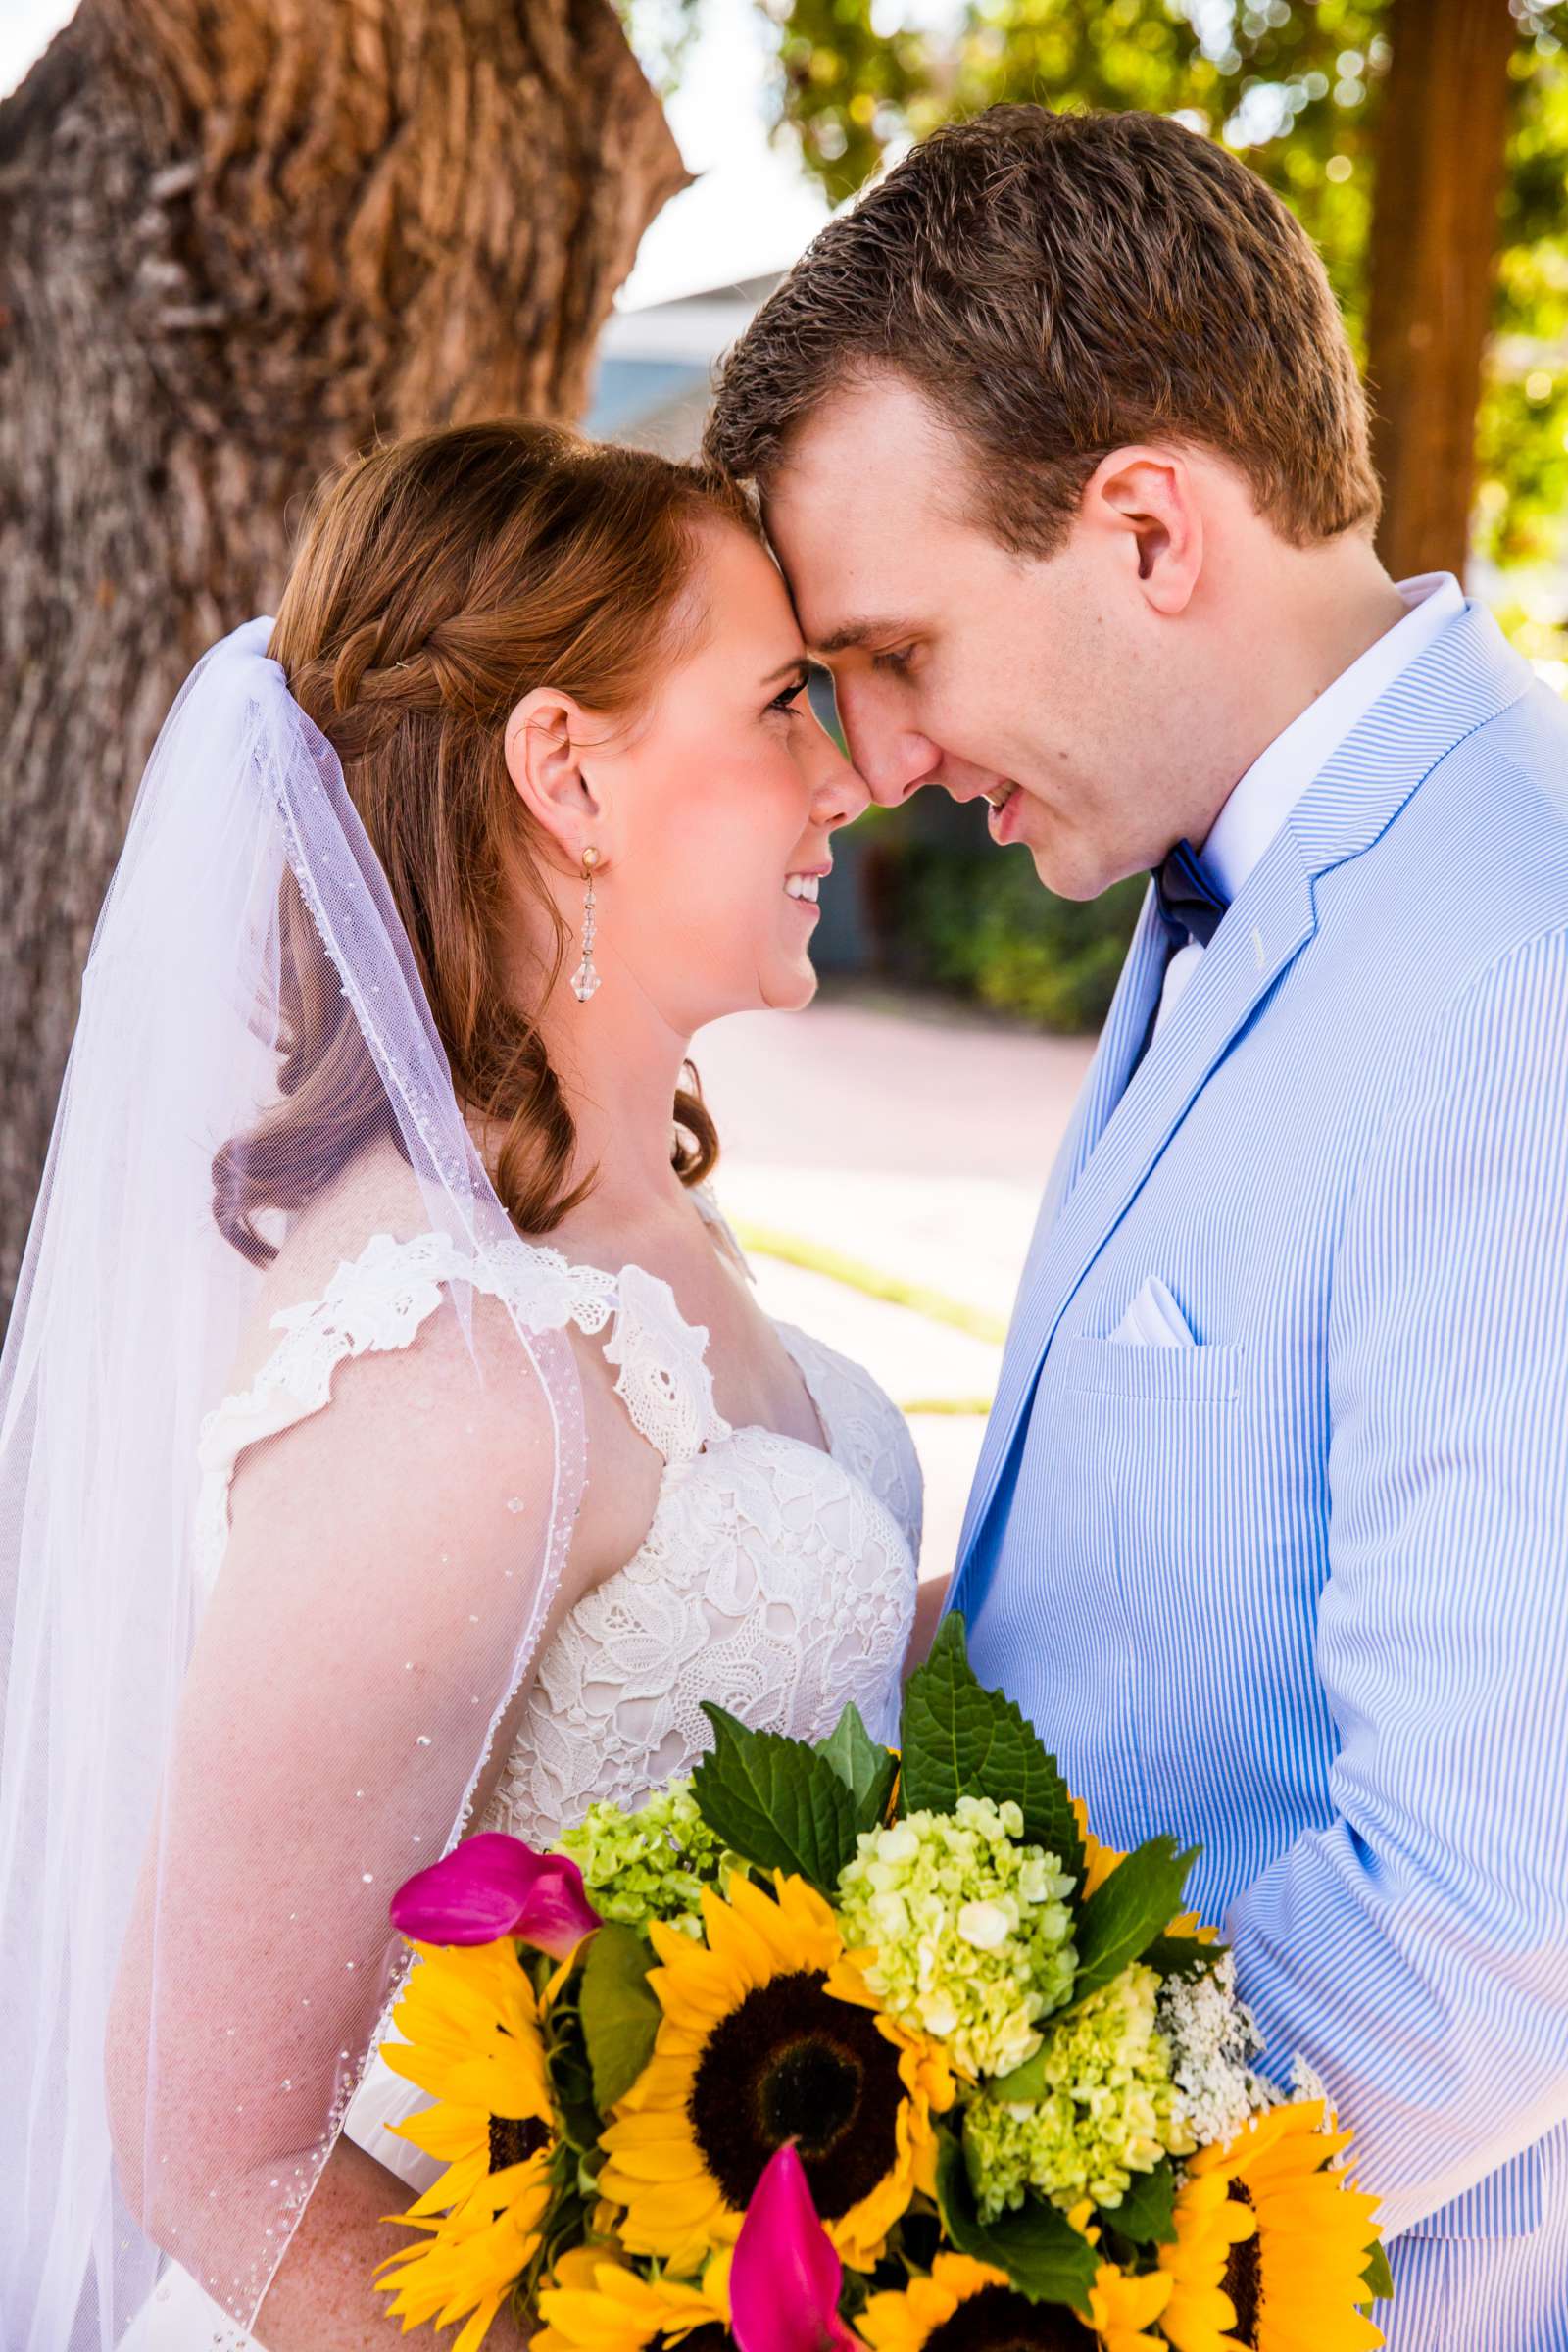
{"x": 354, "y": 1313}
{"x": 357, "y": 1311}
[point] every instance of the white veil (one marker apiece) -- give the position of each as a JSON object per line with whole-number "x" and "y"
{"x": 206, "y": 1804}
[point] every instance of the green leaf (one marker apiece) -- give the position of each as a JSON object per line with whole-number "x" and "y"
{"x": 775, "y": 1801}
{"x": 1146, "y": 2212}
{"x": 1182, "y": 1955}
{"x": 1044, "y": 2257}
{"x": 1127, "y": 1911}
{"x": 1377, "y": 2278}
{"x": 1025, "y": 2083}
{"x": 619, "y": 2009}
{"x": 866, "y": 1768}
{"x": 960, "y": 1739}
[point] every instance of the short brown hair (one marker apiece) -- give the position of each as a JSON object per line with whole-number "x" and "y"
{"x": 1056, "y": 285}
{"x": 438, "y": 580}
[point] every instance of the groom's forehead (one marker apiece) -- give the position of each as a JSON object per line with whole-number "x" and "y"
{"x": 870, "y": 489}
{"x": 865, "y": 454}
{"x": 845, "y": 557}
{"x": 848, "y": 588}
{"x": 856, "y": 574}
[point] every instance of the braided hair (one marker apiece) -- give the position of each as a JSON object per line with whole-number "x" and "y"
{"x": 438, "y": 580}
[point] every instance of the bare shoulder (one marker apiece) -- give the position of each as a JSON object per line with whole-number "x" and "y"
{"x": 451, "y": 1424}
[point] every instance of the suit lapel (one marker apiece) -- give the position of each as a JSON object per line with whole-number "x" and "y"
{"x": 1132, "y": 1008}
{"x": 1128, "y": 1115}
{"x": 1126, "y": 1025}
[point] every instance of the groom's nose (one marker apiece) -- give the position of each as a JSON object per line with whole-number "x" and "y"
{"x": 894, "y": 760}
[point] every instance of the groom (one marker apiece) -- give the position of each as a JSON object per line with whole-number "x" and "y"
{"x": 1060, "y": 442}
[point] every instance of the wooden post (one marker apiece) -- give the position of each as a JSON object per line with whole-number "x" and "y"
{"x": 1439, "y": 170}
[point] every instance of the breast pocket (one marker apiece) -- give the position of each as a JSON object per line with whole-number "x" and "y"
{"x": 1153, "y": 1447}
{"x": 1121, "y": 1368}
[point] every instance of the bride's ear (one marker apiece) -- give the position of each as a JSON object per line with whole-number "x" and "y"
{"x": 547, "y": 735}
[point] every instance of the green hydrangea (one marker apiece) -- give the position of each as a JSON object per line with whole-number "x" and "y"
{"x": 651, "y": 1864}
{"x": 972, "y": 1938}
{"x": 1109, "y": 2108}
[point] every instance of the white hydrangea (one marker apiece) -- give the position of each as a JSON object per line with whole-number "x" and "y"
{"x": 970, "y": 1934}
{"x": 1212, "y": 2041}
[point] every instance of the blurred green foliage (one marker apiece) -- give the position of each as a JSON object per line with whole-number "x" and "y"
{"x": 1293, "y": 85}
{"x": 977, "y": 921}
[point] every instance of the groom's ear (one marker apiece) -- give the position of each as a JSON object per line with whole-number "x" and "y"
{"x": 548, "y": 736}
{"x": 1146, "y": 503}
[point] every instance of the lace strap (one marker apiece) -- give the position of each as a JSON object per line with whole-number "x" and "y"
{"x": 378, "y": 1301}
{"x": 664, "y": 1379}
{"x": 375, "y": 1303}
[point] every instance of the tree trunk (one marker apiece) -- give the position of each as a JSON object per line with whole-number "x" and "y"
{"x": 1440, "y": 154}
{"x": 237, "y": 243}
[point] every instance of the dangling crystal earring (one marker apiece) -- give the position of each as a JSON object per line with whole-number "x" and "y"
{"x": 584, "y": 980}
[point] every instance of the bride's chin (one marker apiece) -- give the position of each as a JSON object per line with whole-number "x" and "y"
{"x": 790, "y": 990}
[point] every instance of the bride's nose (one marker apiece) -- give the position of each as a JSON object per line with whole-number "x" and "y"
{"x": 839, "y": 793}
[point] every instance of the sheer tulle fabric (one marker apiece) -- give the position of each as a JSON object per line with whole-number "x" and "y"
{"x": 206, "y": 1801}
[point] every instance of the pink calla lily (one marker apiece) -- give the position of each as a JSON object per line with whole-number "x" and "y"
{"x": 492, "y": 1886}
{"x": 785, "y": 2274}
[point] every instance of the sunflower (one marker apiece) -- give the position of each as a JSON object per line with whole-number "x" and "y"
{"x": 595, "y": 2304}
{"x": 969, "y": 2306}
{"x": 1099, "y": 1860}
{"x": 1271, "y": 2244}
{"x": 467, "y": 2263}
{"x": 1210, "y": 2224}
{"x": 472, "y": 2039}
{"x": 470, "y": 2027}
{"x": 769, "y": 2035}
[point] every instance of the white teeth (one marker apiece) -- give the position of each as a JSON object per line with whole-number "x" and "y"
{"x": 802, "y": 886}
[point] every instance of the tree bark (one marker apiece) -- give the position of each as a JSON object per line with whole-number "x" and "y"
{"x": 237, "y": 242}
{"x": 1441, "y": 153}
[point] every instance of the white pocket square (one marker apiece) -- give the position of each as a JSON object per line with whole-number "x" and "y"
{"x": 1153, "y": 1320}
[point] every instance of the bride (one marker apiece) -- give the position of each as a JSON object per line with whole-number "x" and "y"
{"x": 391, "y": 1445}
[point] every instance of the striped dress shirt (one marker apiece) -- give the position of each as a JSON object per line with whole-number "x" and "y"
{"x": 1297, "y": 1591}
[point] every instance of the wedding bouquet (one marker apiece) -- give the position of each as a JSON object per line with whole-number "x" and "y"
{"x": 837, "y": 2046}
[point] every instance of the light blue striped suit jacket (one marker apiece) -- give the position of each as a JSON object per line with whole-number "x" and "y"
{"x": 1300, "y": 1592}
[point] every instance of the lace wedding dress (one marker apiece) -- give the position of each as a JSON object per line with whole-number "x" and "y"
{"x": 775, "y": 1577}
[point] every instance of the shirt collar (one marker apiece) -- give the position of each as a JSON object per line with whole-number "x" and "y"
{"x": 1280, "y": 774}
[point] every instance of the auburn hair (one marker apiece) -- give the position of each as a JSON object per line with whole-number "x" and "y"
{"x": 437, "y": 581}
{"x": 1057, "y": 285}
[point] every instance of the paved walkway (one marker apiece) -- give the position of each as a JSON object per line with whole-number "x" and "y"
{"x": 914, "y": 1141}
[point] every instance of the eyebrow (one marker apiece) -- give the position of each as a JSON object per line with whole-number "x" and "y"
{"x": 787, "y": 669}
{"x": 855, "y": 632}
